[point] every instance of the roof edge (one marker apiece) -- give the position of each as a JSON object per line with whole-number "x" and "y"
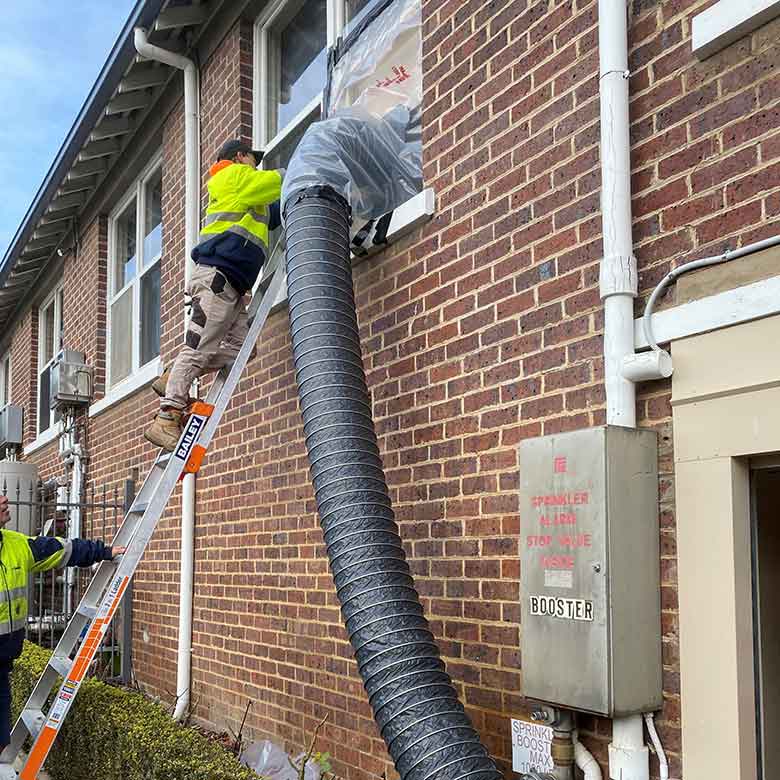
{"x": 120, "y": 57}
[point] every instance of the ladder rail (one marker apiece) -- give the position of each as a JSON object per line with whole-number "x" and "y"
{"x": 104, "y": 593}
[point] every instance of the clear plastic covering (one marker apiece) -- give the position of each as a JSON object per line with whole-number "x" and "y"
{"x": 369, "y": 148}
{"x": 271, "y": 762}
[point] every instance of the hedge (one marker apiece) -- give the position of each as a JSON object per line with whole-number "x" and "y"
{"x": 115, "y": 734}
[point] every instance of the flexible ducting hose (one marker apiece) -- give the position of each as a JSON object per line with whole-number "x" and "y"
{"x": 417, "y": 710}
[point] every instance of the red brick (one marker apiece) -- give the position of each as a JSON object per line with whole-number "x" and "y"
{"x": 728, "y": 223}
{"x": 659, "y": 198}
{"x": 726, "y": 168}
{"x": 690, "y": 157}
{"x": 724, "y": 113}
{"x": 753, "y": 184}
{"x": 692, "y": 211}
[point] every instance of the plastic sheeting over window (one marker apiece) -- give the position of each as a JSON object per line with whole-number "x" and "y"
{"x": 369, "y": 148}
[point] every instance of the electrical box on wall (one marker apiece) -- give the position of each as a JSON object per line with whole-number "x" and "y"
{"x": 591, "y": 611}
{"x": 11, "y": 430}
{"x": 71, "y": 380}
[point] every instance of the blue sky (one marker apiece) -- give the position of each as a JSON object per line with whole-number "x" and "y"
{"x": 50, "y": 56}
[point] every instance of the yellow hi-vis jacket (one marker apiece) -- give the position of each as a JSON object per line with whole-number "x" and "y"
{"x": 22, "y": 555}
{"x": 234, "y": 237}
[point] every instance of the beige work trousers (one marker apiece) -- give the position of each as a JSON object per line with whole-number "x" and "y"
{"x": 217, "y": 329}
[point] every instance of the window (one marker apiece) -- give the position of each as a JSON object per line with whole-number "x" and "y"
{"x": 5, "y": 379}
{"x": 292, "y": 38}
{"x": 50, "y": 326}
{"x": 135, "y": 247}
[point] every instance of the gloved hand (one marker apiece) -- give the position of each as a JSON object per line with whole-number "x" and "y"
{"x": 5, "y": 514}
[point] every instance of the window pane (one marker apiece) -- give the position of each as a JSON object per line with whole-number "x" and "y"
{"x": 150, "y": 315}
{"x": 153, "y": 219}
{"x": 44, "y": 413}
{"x": 298, "y": 49}
{"x": 47, "y": 334}
{"x": 281, "y": 154}
{"x": 357, "y": 9}
{"x": 121, "y": 337}
{"x": 124, "y": 268}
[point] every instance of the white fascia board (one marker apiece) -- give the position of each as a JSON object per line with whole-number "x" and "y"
{"x": 728, "y": 21}
{"x": 732, "y": 307}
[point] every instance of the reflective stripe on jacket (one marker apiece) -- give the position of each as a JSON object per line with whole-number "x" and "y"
{"x": 16, "y": 564}
{"x": 239, "y": 197}
{"x": 235, "y": 230}
{"x": 22, "y": 555}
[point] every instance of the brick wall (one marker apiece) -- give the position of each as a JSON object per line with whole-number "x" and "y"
{"x": 480, "y": 329}
{"x": 24, "y": 370}
{"x": 84, "y": 285}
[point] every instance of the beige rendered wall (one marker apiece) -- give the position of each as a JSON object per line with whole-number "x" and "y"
{"x": 726, "y": 407}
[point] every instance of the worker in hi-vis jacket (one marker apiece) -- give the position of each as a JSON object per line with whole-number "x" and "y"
{"x": 20, "y": 556}
{"x": 243, "y": 207}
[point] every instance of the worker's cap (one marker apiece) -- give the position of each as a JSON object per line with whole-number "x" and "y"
{"x": 231, "y": 148}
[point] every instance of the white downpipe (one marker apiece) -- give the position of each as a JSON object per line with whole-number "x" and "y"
{"x": 628, "y": 755}
{"x": 184, "y": 660}
{"x": 584, "y": 760}
{"x": 191, "y": 230}
{"x": 618, "y": 276}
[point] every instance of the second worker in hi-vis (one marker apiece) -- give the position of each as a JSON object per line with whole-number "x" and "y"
{"x": 20, "y": 556}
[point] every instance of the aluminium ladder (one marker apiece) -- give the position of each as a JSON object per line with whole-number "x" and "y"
{"x": 105, "y": 591}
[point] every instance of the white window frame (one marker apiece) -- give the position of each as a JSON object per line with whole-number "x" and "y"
{"x": 137, "y": 191}
{"x": 262, "y": 134}
{"x": 56, "y": 297}
{"x": 263, "y": 138}
{"x": 5, "y": 378}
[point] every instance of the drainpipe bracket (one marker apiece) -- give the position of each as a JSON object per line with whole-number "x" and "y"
{"x": 618, "y": 276}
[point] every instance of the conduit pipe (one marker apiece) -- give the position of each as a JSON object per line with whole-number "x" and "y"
{"x": 628, "y": 755}
{"x": 695, "y": 265}
{"x": 191, "y": 230}
{"x": 659, "y": 750}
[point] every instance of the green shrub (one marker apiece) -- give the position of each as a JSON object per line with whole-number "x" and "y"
{"x": 114, "y": 734}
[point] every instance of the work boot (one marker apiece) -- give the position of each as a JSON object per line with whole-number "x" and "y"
{"x": 161, "y": 383}
{"x": 166, "y": 429}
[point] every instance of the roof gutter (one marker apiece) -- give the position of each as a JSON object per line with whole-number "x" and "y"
{"x": 119, "y": 59}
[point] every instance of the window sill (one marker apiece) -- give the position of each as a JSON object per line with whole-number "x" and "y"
{"x": 127, "y": 387}
{"x": 728, "y": 21}
{"x": 47, "y": 437}
{"x": 415, "y": 212}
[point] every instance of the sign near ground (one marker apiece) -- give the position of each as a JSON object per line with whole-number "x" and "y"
{"x": 531, "y": 747}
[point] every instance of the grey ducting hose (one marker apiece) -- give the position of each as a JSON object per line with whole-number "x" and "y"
{"x": 417, "y": 710}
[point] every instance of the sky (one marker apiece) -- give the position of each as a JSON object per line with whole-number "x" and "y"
{"x": 50, "y": 55}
